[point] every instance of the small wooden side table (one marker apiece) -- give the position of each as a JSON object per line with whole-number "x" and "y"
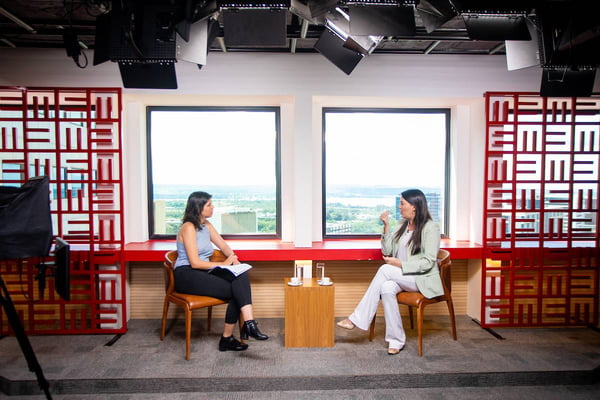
{"x": 309, "y": 319}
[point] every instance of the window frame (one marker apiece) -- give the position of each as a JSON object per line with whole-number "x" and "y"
{"x": 352, "y": 110}
{"x": 150, "y": 184}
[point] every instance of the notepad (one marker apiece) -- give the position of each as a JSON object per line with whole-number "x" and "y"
{"x": 229, "y": 272}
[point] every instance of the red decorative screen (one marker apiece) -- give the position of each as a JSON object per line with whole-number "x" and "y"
{"x": 73, "y": 136}
{"x": 541, "y": 225}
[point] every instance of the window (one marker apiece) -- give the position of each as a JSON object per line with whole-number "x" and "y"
{"x": 372, "y": 155}
{"x": 229, "y": 152}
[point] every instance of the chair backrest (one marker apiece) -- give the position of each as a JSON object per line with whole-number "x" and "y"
{"x": 170, "y": 259}
{"x": 218, "y": 256}
{"x": 444, "y": 264}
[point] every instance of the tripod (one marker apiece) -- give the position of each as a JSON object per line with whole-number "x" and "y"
{"x": 22, "y": 338}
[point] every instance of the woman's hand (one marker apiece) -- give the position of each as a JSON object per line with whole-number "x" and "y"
{"x": 392, "y": 261}
{"x": 232, "y": 260}
{"x": 384, "y": 217}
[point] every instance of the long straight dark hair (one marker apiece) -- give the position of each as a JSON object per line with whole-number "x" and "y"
{"x": 417, "y": 199}
{"x": 193, "y": 209}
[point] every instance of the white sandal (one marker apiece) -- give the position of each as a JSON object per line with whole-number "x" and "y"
{"x": 346, "y": 324}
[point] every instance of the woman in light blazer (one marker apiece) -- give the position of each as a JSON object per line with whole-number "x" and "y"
{"x": 410, "y": 255}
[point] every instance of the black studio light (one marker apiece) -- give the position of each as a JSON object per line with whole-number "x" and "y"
{"x": 435, "y": 13}
{"x": 312, "y": 10}
{"x": 495, "y": 20}
{"x": 331, "y": 46}
{"x": 567, "y": 82}
{"x": 569, "y": 48}
{"x": 338, "y": 22}
{"x": 339, "y": 47}
{"x": 140, "y": 37}
{"x": 254, "y": 23}
{"x": 355, "y": 31}
{"x": 385, "y": 18}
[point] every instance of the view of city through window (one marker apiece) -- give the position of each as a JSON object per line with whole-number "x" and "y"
{"x": 372, "y": 156}
{"x": 231, "y": 153}
{"x": 356, "y": 210}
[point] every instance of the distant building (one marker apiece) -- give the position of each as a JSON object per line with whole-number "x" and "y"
{"x": 339, "y": 228}
{"x": 434, "y": 202}
{"x": 160, "y": 216}
{"x": 239, "y": 222}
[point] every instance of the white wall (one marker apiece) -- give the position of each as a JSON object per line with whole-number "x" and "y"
{"x": 301, "y": 84}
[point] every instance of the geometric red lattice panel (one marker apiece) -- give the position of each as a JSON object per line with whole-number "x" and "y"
{"x": 541, "y": 208}
{"x": 73, "y": 136}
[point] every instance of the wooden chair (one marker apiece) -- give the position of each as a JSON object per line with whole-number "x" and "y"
{"x": 188, "y": 302}
{"x": 416, "y": 299}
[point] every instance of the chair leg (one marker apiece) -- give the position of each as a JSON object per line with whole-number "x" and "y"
{"x": 188, "y": 332}
{"x": 208, "y": 318}
{"x": 164, "y": 319}
{"x": 372, "y": 328}
{"x": 410, "y": 314}
{"x": 420, "y": 330}
{"x": 452, "y": 319}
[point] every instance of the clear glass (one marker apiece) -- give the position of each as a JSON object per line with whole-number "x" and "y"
{"x": 321, "y": 266}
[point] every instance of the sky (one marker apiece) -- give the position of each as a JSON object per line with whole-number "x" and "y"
{"x": 403, "y": 149}
{"x": 238, "y": 148}
{"x": 208, "y": 149}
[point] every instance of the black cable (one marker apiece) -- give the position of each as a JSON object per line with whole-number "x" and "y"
{"x": 76, "y": 59}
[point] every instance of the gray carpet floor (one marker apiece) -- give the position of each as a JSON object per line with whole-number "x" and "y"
{"x": 549, "y": 363}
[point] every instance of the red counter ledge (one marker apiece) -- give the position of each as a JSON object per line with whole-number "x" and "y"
{"x": 276, "y": 250}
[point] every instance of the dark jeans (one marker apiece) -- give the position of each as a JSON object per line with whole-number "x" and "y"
{"x": 198, "y": 281}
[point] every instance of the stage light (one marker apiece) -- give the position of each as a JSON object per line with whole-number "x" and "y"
{"x": 500, "y": 20}
{"x": 385, "y": 19}
{"x": 435, "y": 13}
{"x": 331, "y": 46}
{"x": 195, "y": 49}
{"x": 567, "y": 82}
{"x": 148, "y": 74}
{"x": 140, "y": 36}
{"x": 312, "y": 10}
{"x": 192, "y": 12}
{"x": 252, "y": 23}
{"x": 570, "y": 36}
{"x": 338, "y": 22}
{"x": 496, "y": 27}
{"x": 523, "y": 53}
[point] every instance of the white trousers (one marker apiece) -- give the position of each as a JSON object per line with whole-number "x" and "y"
{"x": 386, "y": 284}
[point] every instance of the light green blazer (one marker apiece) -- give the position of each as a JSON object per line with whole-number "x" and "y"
{"x": 422, "y": 265}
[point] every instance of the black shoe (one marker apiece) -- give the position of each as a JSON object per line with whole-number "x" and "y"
{"x": 231, "y": 343}
{"x": 251, "y": 329}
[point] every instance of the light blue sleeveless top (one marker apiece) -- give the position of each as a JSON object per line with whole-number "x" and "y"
{"x": 205, "y": 248}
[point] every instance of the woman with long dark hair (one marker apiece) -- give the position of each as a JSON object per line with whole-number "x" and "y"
{"x": 195, "y": 241}
{"x": 410, "y": 255}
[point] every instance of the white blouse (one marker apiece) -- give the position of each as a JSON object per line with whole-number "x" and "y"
{"x": 402, "y": 254}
